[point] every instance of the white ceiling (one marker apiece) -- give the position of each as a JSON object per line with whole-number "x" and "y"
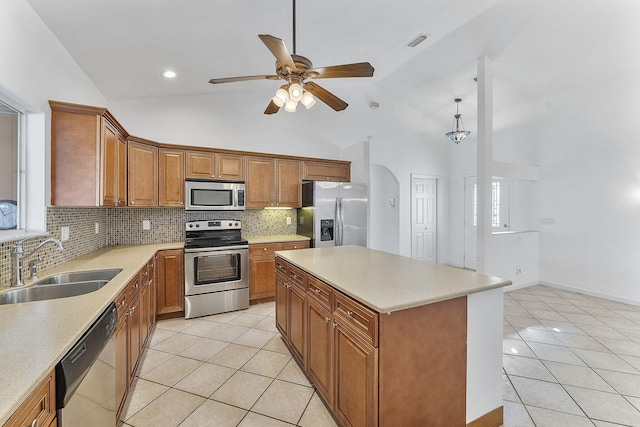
{"x": 539, "y": 47}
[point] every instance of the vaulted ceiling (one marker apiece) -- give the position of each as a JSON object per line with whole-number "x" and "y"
{"x": 539, "y": 47}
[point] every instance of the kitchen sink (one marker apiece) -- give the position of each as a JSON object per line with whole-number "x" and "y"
{"x": 78, "y": 276}
{"x": 60, "y": 286}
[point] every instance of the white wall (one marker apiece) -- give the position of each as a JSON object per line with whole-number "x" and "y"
{"x": 385, "y": 219}
{"x": 590, "y": 186}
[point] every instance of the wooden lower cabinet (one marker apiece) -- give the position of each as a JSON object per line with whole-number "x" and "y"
{"x": 170, "y": 287}
{"x": 356, "y": 373}
{"x": 262, "y": 266}
{"x": 135, "y": 324}
{"x": 40, "y": 406}
{"x": 407, "y": 368}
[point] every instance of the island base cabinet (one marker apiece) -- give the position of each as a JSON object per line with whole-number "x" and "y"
{"x": 297, "y": 322}
{"x": 356, "y": 370}
{"x": 282, "y": 316}
{"x": 320, "y": 350}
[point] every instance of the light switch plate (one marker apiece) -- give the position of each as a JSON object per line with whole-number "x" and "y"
{"x": 146, "y": 224}
{"x": 97, "y": 228}
{"x": 288, "y": 220}
{"x": 64, "y": 234}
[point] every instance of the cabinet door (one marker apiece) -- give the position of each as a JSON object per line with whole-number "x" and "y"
{"x": 170, "y": 288}
{"x": 133, "y": 335}
{"x": 143, "y": 174}
{"x": 200, "y": 164}
{"x": 320, "y": 349}
{"x": 262, "y": 269}
{"x": 259, "y": 182}
{"x": 289, "y": 183}
{"x": 326, "y": 171}
{"x": 145, "y": 304}
{"x": 297, "y": 322}
{"x": 121, "y": 195}
{"x": 153, "y": 284}
{"x": 171, "y": 178}
{"x": 281, "y": 306}
{"x": 356, "y": 373}
{"x": 230, "y": 167}
{"x": 122, "y": 361}
{"x": 110, "y": 164}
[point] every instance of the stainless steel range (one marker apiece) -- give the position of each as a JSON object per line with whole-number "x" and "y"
{"x": 216, "y": 272}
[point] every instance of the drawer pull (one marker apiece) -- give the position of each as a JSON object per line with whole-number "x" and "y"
{"x": 326, "y": 319}
{"x": 123, "y": 301}
{"x": 33, "y": 424}
{"x": 136, "y": 286}
{"x": 334, "y": 324}
{"x": 294, "y": 275}
{"x": 317, "y": 291}
{"x": 349, "y": 313}
{"x": 295, "y": 247}
{"x": 264, "y": 249}
{"x": 281, "y": 267}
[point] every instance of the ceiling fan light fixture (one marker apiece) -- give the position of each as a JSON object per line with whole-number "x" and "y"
{"x": 295, "y": 92}
{"x": 308, "y": 100}
{"x": 290, "y": 106}
{"x": 281, "y": 97}
{"x": 457, "y": 133}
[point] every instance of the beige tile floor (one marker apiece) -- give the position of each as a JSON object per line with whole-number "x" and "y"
{"x": 569, "y": 360}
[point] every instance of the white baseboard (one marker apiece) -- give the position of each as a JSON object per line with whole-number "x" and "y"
{"x": 520, "y": 286}
{"x": 591, "y": 293}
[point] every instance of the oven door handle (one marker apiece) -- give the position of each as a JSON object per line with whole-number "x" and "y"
{"x": 219, "y": 251}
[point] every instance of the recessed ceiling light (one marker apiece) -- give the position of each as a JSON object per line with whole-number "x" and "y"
{"x": 415, "y": 42}
{"x": 169, "y": 74}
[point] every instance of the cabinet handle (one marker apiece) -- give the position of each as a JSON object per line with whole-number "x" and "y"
{"x": 136, "y": 286}
{"x": 349, "y": 313}
{"x": 133, "y": 202}
{"x": 294, "y": 275}
{"x": 295, "y": 247}
{"x": 33, "y": 424}
{"x": 326, "y": 319}
{"x": 317, "y": 291}
{"x": 123, "y": 301}
{"x": 264, "y": 249}
{"x": 334, "y": 324}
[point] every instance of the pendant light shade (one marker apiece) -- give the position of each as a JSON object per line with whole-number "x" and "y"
{"x": 457, "y": 133}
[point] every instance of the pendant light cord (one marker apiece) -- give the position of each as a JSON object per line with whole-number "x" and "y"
{"x": 294, "y": 27}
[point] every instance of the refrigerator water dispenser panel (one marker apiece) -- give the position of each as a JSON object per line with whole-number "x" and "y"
{"x": 326, "y": 229}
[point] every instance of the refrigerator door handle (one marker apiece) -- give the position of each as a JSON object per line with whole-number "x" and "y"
{"x": 339, "y": 221}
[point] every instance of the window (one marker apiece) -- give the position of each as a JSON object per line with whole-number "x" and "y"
{"x": 499, "y": 204}
{"x": 11, "y": 121}
{"x": 495, "y": 204}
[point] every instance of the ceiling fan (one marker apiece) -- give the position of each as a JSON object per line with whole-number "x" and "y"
{"x": 295, "y": 70}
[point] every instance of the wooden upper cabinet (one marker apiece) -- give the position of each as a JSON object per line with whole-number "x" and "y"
{"x": 143, "y": 174}
{"x": 88, "y": 157}
{"x": 210, "y": 165}
{"x": 335, "y": 171}
{"x": 114, "y": 166}
{"x": 260, "y": 182}
{"x": 171, "y": 178}
{"x": 289, "y": 183}
{"x": 273, "y": 183}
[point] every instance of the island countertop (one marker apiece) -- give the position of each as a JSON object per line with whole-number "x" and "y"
{"x": 387, "y": 282}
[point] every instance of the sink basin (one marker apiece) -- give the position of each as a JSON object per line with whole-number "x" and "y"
{"x": 79, "y": 276}
{"x": 60, "y": 286}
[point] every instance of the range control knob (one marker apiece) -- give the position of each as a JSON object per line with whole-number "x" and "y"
{"x": 230, "y": 224}
{"x": 190, "y": 225}
{"x": 197, "y": 225}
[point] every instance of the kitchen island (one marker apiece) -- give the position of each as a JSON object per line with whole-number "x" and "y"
{"x": 392, "y": 341}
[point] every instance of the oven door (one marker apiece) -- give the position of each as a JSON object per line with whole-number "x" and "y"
{"x": 211, "y": 270}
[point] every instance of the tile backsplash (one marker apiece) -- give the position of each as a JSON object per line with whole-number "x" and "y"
{"x": 123, "y": 226}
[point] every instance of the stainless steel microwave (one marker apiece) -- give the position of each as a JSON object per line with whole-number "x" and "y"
{"x": 214, "y": 195}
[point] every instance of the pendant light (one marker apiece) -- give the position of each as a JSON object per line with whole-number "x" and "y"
{"x": 457, "y": 133}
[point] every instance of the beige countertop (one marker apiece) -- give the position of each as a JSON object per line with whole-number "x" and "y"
{"x": 275, "y": 239}
{"x": 386, "y": 282}
{"x": 34, "y": 336}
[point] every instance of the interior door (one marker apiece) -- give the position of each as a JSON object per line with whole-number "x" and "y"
{"x": 424, "y": 202}
{"x": 470, "y": 221}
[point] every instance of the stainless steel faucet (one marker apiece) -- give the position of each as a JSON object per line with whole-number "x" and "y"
{"x": 17, "y": 255}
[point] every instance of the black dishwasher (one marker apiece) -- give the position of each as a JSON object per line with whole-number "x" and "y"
{"x": 85, "y": 377}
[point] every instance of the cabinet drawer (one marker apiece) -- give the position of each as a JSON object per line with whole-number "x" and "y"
{"x": 297, "y": 277}
{"x": 287, "y": 246}
{"x": 361, "y": 319}
{"x": 121, "y": 302}
{"x": 133, "y": 288}
{"x": 282, "y": 268}
{"x": 266, "y": 250}
{"x": 39, "y": 405}
{"x": 322, "y": 292}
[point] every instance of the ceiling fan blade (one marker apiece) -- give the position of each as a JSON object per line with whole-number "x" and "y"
{"x": 360, "y": 69}
{"x": 279, "y": 50}
{"x": 243, "y": 78}
{"x": 325, "y": 96}
{"x": 272, "y": 108}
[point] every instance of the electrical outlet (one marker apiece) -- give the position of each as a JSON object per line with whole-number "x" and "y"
{"x": 288, "y": 220}
{"x": 97, "y": 228}
{"x": 518, "y": 270}
{"x": 146, "y": 224}
{"x": 64, "y": 234}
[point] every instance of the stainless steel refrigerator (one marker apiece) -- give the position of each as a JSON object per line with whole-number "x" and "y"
{"x": 333, "y": 213}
